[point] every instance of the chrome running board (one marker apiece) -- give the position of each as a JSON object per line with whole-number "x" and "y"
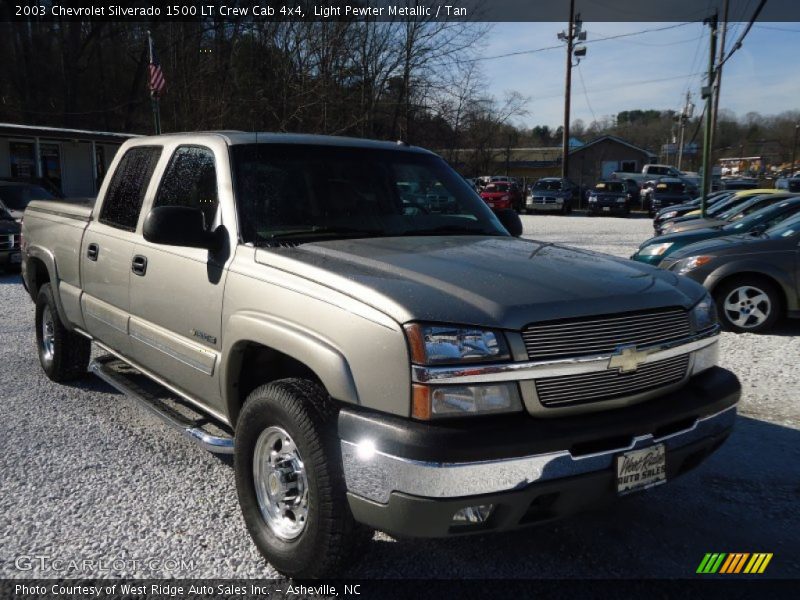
{"x": 162, "y": 403}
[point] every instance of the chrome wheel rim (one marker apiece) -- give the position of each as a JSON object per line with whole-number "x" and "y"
{"x": 747, "y": 306}
{"x": 48, "y": 334}
{"x": 281, "y": 483}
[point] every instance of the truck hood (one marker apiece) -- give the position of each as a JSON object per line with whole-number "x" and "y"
{"x": 489, "y": 281}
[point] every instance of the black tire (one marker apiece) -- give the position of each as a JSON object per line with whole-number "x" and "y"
{"x": 65, "y": 357}
{"x": 750, "y": 294}
{"x": 331, "y": 538}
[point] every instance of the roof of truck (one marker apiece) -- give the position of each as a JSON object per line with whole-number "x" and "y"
{"x": 241, "y": 137}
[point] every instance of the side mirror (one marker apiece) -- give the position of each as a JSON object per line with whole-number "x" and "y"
{"x": 758, "y": 229}
{"x": 178, "y": 226}
{"x": 511, "y": 221}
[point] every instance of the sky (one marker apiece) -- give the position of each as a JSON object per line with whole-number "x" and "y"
{"x": 648, "y": 71}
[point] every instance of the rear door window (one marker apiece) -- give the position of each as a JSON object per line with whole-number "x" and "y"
{"x": 126, "y": 191}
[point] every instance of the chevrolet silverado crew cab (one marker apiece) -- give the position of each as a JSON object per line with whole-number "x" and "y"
{"x": 372, "y": 362}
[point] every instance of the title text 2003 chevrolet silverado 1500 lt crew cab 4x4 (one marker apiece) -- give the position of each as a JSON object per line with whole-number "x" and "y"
{"x": 371, "y": 361}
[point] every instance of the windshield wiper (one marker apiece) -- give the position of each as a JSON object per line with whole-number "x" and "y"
{"x": 449, "y": 230}
{"x": 349, "y": 232}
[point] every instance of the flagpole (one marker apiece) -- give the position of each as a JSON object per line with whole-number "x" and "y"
{"x": 153, "y": 95}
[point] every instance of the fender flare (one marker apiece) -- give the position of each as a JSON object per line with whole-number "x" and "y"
{"x": 49, "y": 260}
{"x": 307, "y": 347}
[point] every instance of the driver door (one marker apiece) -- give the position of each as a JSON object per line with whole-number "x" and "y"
{"x": 176, "y": 295}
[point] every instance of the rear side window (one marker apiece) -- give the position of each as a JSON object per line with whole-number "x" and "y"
{"x": 127, "y": 189}
{"x": 191, "y": 180}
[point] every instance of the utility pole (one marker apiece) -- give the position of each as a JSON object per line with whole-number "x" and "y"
{"x": 570, "y": 35}
{"x": 708, "y": 96}
{"x": 574, "y": 32}
{"x": 688, "y": 111}
{"x": 718, "y": 79}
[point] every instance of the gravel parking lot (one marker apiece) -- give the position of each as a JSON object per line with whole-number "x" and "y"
{"x": 87, "y": 474}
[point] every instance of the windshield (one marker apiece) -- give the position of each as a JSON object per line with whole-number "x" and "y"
{"x": 550, "y": 185}
{"x": 730, "y": 203}
{"x": 497, "y": 187}
{"x": 4, "y": 214}
{"x": 305, "y": 192}
{"x": 785, "y": 228}
{"x": 766, "y": 217}
{"x": 17, "y": 197}
{"x": 614, "y": 187}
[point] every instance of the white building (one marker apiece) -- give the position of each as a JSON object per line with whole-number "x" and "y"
{"x": 73, "y": 160}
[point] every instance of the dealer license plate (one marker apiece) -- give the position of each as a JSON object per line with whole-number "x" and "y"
{"x": 641, "y": 469}
{"x": 606, "y": 209}
{"x": 16, "y": 258}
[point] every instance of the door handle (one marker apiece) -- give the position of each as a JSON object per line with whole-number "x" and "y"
{"x": 139, "y": 265}
{"x": 92, "y": 251}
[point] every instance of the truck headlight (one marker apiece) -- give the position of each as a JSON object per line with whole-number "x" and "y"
{"x": 691, "y": 263}
{"x": 704, "y": 314}
{"x": 443, "y": 401}
{"x": 440, "y": 344}
{"x": 592, "y": 199}
{"x": 655, "y": 249}
{"x": 669, "y": 215}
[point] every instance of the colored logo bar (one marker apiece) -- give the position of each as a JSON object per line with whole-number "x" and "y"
{"x": 734, "y": 562}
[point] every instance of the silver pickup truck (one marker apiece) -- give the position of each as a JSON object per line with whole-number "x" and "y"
{"x": 372, "y": 360}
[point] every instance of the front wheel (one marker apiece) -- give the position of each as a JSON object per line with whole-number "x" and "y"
{"x": 64, "y": 355}
{"x": 748, "y": 304}
{"x": 289, "y": 478}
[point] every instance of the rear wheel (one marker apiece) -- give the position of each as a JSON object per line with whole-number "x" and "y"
{"x": 64, "y": 355}
{"x": 749, "y": 304}
{"x": 290, "y": 482}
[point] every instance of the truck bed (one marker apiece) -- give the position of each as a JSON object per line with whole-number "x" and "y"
{"x": 76, "y": 208}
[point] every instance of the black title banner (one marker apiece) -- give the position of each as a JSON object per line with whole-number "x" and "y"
{"x": 138, "y": 11}
{"x": 708, "y": 588}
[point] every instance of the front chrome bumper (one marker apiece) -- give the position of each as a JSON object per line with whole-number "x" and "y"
{"x": 375, "y": 475}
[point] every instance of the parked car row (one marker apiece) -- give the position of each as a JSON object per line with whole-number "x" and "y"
{"x": 745, "y": 251}
{"x": 10, "y": 257}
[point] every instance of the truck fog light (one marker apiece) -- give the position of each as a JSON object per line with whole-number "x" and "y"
{"x": 705, "y": 358}
{"x": 463, "y": 400}
{"x": 473, "y": 514}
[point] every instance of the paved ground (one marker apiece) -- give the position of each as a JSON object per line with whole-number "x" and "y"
{"x": 85, "y": 474}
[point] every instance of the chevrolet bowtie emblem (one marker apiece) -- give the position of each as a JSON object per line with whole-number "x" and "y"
{"x": 627, "y": 359}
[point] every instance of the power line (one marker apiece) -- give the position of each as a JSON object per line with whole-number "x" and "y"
{"x": 744, "y": 33}
{"x": 632, "y": 33}
{"x": 518, "y": 53}
{"x": 602, "y": 39}
{"x": 786, "y": 29}
{"x": 620, "y": 86}
{"x": 585, "y": 93}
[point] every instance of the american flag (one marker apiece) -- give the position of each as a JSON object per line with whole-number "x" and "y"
{"x": 157, "y": 81}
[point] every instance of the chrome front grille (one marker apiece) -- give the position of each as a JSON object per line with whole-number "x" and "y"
{"x": 604, "y": 335}
{"x": 571, "y": 390}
